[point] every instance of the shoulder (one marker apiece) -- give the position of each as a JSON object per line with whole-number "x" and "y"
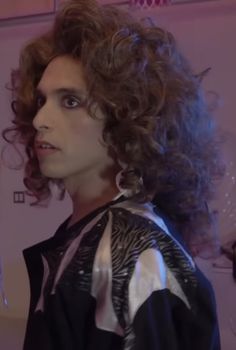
{"x": 139, "y": 226}
{"x": 141, "y": 241}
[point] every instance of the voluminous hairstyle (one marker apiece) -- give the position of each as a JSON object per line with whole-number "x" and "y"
{"x": 157, "y": 120}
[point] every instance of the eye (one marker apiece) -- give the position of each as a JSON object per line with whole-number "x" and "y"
{"x": 71, "y": 102}
{"x": 40, "y": 100}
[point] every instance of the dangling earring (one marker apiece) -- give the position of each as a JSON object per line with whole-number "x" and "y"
{"x": 119, "y": 176}
{"x": 128, "y": 192}
{"x": 123, "y": 191}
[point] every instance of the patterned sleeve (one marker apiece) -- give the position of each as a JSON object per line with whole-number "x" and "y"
{"x": 161, "y": 299}
{"x": 161, "y": 314}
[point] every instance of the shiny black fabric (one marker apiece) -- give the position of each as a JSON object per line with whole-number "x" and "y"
{"x": 163, "y": 321}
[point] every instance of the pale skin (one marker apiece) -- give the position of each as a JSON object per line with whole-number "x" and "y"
{"x": 79, "y": 156}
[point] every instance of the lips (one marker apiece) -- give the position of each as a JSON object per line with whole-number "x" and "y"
{"x": 44, "y": 149}
{"x": 44, "y": 145}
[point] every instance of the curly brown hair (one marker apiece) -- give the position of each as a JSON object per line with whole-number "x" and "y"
{"x": 156, "y": 118}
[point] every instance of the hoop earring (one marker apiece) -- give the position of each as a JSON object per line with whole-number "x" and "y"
{"x": 123, "y": 191}
{"x": 126, "y": 192}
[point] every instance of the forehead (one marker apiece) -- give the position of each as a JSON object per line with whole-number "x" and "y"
{"x": 62, "y": 72}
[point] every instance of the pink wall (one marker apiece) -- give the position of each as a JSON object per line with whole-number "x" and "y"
{"x": 15, "y": 8}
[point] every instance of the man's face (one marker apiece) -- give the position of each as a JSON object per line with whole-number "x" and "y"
{"x": 68, "y": 141}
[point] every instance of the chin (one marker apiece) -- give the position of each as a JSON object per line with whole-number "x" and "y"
{"x": 52, "y": 173}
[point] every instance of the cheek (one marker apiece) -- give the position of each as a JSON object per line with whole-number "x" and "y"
{"x": 88, "y": 132}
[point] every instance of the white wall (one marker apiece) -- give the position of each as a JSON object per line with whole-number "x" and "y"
{"x": 206, "y": 34}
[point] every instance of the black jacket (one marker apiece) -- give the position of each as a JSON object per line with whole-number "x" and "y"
{"x": 118, "y": 279}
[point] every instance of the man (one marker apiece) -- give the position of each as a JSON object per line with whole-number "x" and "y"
{"x": 110, "y": 111}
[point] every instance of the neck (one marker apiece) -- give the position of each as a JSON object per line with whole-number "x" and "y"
{"x": 89, "y": 193}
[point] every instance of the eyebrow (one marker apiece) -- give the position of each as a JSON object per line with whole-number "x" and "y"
{"x": 62, "y": 90}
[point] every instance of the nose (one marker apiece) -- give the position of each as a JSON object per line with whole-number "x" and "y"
{"x": 42, "y": 118}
